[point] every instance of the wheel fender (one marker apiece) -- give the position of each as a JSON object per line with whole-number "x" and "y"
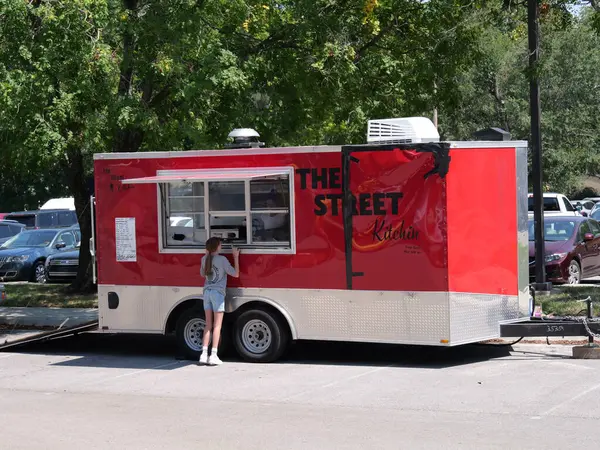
{"x": 189, "y": 298}
{"x": 237, "y": 301}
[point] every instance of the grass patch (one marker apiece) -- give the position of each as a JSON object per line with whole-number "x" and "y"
{"x": 564, "y": 301}
{"x": 46, "y": 295}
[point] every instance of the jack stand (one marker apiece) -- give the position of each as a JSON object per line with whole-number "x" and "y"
{"x": 590, "y": 350}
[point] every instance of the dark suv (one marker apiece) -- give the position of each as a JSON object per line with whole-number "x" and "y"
{"x": 44, "y": 218}
{"x": 8, "y": 228}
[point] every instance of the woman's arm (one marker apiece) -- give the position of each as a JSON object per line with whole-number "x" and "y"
{"x": 236, "y": 262}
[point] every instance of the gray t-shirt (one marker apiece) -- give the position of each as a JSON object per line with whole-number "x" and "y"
{"x": 217, "y": 280}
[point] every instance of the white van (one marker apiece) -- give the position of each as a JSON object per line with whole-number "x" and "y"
{"x": 60, "y": 203}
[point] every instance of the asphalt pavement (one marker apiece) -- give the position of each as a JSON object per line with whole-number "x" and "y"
{"x": 97, "y": 392}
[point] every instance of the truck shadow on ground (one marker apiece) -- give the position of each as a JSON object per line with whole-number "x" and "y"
{"x": 160, "y": 353}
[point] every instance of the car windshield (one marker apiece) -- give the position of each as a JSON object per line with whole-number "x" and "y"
{"x": 554, "y": 230}
{"x": 42, "y": 238}
{"x": 5, "y": 231}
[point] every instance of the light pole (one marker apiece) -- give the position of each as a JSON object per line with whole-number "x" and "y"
{"x": 536, "y": 143}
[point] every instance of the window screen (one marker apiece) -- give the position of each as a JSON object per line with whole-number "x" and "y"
{"x": 253, "y": 213}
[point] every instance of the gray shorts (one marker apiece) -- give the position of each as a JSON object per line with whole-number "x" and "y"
{"x": 214, "y": 301}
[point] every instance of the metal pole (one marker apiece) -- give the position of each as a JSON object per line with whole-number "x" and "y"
{"x": 536, "y": 141}
{"x": 589, "y": 316}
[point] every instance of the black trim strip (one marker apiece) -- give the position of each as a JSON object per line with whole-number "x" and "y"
{"x": 441, "y": 155}
{"x": 347, "y": 215}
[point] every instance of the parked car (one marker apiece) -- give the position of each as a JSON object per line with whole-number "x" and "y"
{"x": 8, "y": 228}
{"x": 45, "y": 218}
{"x": 583, "y": 206}
{"x": 554, "y": 204}
{"x": 23, "y": 257}
{"x": 572, "y": 245}
{"x": 595, "y": 208}
{"x": 62, "y": 266}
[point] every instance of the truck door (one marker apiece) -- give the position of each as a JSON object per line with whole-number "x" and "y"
{"x": 93, "y": 238}
{"x": 394, "y": 217}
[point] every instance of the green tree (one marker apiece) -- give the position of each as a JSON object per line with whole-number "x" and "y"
{"x": 57, "y": 74}
{"x": 495, "y": 92}
{"x": 89, "y": 76}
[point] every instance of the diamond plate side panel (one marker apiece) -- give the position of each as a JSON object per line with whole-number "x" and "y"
{"x": 475, "y": 317}
{"x": 370, "y": 316}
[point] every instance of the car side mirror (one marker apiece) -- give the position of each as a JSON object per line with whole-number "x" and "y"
{"x": 588, "y": 237}
{"x": 60, "y": 245}
{"x": 584, "y": 214}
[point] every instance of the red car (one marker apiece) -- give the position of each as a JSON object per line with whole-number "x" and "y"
{"x": 572, "y": 248}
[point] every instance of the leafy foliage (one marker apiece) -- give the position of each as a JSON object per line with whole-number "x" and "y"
{"x": 88, "y": 76}
{"x": 495, "y": 92}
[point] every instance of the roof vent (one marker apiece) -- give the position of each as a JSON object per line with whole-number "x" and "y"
{"x": 244, "y": 138}
{"x": 492, "y": 134}
{"x": 404, "y": 130}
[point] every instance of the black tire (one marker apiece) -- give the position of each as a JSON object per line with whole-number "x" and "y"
{"x": 38, "y": 266}
{"x": 262, "y": 329}
{"x": 191, "y": 347}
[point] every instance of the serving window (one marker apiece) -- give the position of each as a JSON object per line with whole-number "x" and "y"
{"x": 249, "y": 208}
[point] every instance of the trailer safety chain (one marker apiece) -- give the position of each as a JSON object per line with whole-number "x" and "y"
{"x": 585, "y": 321}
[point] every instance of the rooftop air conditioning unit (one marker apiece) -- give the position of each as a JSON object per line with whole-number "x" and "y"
{"x": 406, "y": 130}
{"x": 244, "y": 138}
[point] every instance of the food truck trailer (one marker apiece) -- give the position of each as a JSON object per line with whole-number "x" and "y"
{"x": 404, "y": 239}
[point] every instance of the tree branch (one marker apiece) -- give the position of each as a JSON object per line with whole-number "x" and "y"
{"x": 373, "y": 42}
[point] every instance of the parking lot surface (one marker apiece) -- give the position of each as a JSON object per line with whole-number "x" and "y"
{"x": 99, "y": 392}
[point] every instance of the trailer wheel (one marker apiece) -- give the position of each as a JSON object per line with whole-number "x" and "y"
{"x": 260, "y": 336}
{"x": 188, "y": 331}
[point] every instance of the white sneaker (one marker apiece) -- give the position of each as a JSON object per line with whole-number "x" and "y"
{"x": 203, "y": 358}
{"x": 213, "y": 360}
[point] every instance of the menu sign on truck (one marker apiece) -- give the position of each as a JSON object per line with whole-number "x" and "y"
{"x": 125, "y": 239}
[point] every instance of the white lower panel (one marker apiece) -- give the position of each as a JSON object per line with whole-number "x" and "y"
{"x": 474, "y": 317}
{"x": 430, "y": 318}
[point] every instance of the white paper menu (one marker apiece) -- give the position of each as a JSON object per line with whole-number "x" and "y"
{"x": 125, "y": 239}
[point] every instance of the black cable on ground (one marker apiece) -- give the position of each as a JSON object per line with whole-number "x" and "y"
{"x": 501, "y": 345}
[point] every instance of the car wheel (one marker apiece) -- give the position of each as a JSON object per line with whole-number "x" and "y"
{"x": 574, "y": 273}
{"x": 39, "y": 273}
{"x": 260, "y": 336}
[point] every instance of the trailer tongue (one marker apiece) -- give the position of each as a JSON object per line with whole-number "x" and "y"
{"x": 9, "y": 338}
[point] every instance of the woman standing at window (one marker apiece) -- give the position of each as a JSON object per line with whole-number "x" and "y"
{"x": 214, "y": 269}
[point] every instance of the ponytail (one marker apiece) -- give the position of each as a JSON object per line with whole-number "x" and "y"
{"x": 212, "y": 245}
{"x": 208, "y": 265}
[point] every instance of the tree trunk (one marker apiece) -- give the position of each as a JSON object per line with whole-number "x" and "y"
{"x": 77, "y": 182}
{"x": 127, "y": 139}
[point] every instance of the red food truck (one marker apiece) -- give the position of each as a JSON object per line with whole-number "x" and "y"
{"x": 404, "y": 240}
